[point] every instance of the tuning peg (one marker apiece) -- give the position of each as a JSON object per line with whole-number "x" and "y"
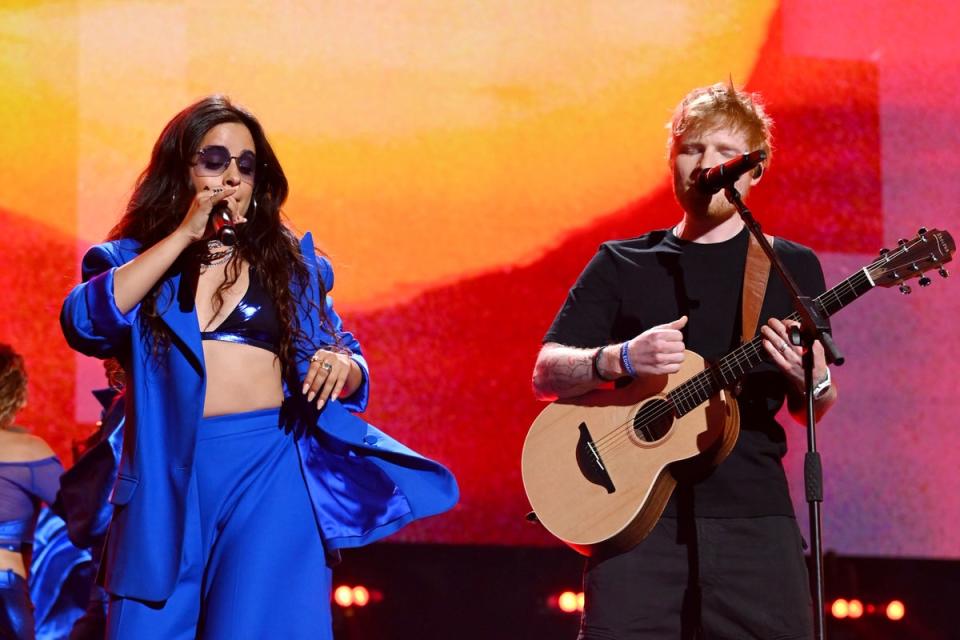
{"x": 922, "y": 231}
{"x": 905, "y": 289}
{"x": 902, "y": 241}
{"x": 884, "y": 252}
{"x": 943, "y": 272}
{"x": 924, "y": 281}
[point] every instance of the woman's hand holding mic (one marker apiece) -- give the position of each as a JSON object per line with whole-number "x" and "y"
{"x": 209, "y": 204}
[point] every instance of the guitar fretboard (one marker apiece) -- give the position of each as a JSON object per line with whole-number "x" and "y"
{"x": 733, "y": 366}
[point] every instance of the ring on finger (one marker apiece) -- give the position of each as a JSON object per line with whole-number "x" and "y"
{"x": 314, "y": 358}
{"x": 783, "y": 346}
{"x": 326, "y": 366}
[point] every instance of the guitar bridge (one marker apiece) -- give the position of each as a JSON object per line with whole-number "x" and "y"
{"x": 590, "y": 462}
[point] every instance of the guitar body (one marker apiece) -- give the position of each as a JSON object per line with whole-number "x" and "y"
{"x": 596, "y": 468}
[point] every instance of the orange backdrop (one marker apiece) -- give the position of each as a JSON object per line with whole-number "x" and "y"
{"x": 460, "y": 162}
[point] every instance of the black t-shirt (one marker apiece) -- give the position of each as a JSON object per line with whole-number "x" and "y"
{"x": 632, "y": 285}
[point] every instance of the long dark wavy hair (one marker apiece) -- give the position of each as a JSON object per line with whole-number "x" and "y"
{"x": 164, "y": 192}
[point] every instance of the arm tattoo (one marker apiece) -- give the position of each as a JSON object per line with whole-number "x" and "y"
{"x": 563, "y": 372}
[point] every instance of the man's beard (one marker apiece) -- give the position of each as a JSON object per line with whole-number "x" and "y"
{"x": 720, "y": 208}
{"x": 717, "y": 209}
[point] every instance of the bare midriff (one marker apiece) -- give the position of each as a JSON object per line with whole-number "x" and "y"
{"x": 12, "y": 560}
{"x": 240, "y": 378}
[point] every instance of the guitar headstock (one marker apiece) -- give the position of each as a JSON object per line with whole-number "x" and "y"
{"x": 912, "y": 258}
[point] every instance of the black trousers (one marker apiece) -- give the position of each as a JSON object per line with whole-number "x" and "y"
{"x": 704, "y": 579}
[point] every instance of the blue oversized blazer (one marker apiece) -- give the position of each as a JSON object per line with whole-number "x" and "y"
{"x": 364, "y": 485}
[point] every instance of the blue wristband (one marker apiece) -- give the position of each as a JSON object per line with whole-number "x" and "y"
{"x": 625, "y": 359}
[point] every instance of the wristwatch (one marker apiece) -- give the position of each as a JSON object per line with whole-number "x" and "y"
{"x": 822, "y": 387}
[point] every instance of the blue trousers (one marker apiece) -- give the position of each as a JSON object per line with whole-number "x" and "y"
{"x": 253, "y": 561}
{"x": 16, "y": 612}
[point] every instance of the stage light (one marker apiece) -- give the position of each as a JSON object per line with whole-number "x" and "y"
{"x": 567, "y": 602}
{"x": 896, "y": 610}
{"x": 361, "y": 596}
{"x": 855, "y": 609}
{"x": 840, "y": 608}
{"x": 358, "y": 596}
{"x": 343, "y": 596}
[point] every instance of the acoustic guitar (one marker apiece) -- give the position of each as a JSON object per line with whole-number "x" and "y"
{"x": 598, "y": 469}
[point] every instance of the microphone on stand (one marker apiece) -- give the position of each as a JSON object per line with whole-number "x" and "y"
{"x": 723, "y": 175}
{"x": 223, "y": 225}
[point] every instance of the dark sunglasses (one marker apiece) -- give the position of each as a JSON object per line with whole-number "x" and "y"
{"x": 214, "y": 160}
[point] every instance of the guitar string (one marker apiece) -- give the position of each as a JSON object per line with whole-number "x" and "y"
{"x": 700, "y": 386}
{"x": 688, "y": 395}
{"x": 692, "y": 391}
{"x": 621, "y": 435}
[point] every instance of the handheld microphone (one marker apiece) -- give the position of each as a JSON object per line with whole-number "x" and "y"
{"x": 723, "y": 175}
{"x": 223, "y": 225}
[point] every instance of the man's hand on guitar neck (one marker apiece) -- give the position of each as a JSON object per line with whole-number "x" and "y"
{"x": 789, "y": 359}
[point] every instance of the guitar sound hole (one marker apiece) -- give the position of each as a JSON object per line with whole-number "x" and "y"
{"x": 653, "y": 420}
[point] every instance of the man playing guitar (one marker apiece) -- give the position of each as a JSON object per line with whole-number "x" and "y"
{"x": 725, "y": 560}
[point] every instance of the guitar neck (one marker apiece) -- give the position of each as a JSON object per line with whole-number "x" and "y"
{"x": 733, "y": 366}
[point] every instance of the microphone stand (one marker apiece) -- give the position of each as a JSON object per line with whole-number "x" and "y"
{"x": 813, "y": 327}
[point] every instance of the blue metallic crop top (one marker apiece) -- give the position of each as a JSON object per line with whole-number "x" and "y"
{"x": 253, "y": 321}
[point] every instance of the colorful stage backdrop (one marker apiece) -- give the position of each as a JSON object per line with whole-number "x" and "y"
{"x": 460, "y": 162}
